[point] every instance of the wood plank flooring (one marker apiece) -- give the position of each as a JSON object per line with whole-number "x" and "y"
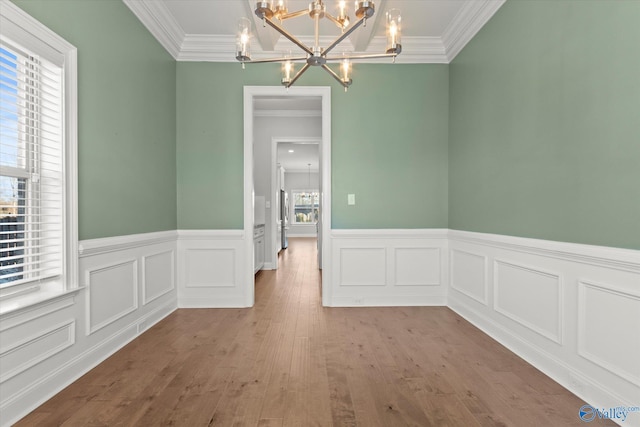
{"x": 290, "y": 362}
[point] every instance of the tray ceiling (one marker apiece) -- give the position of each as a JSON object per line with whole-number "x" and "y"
{"x": 434, "y": 31}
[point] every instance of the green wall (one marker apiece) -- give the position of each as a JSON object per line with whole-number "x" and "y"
{"x": 545, "y": 124}
{"x": 531, "y": 131}
{"x": 126, "y": 113}
{"x": 389, "y": 144}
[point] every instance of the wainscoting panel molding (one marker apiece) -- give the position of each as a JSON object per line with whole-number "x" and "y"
{"x": 468, "y": 272}
{"x": 517, "y": 288}
{"x": 363, "y": 267}
{"x": 609, "y": 329}
{"x": 46, "y": 347}
{"x": 417, "y": 266}
{"x": 32, "y": 350}
{"x": 572, "y": 311}
{"x": 158, "y": 275}
{"x": 210, "y": 268}
{"x": 388, "y": 267}
{"x": 112, "y": 293}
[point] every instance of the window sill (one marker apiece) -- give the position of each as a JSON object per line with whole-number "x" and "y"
{"x": 26, "y": 302}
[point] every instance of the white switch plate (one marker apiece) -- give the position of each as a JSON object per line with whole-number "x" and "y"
{"x": 267, "y": 204}
{"x": 351, "y": 199}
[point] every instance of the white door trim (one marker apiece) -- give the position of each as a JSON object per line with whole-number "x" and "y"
{"x": 325, "y": 161}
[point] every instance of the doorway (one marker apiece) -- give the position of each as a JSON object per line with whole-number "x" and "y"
{"x": 253, "y": 95}
{"x": 296, "y": 173}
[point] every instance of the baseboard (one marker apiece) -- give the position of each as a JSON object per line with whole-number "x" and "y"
{"x": 211, "y": 302}
{"x": 392, "y": 301}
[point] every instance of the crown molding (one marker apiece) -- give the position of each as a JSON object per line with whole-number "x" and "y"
{"x": 157, "y": 18}
{"x": 219, "y": 48}
{"x": 465, "y": 25}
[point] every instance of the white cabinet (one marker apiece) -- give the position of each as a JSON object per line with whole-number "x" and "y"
{"x": 258, "y": 248}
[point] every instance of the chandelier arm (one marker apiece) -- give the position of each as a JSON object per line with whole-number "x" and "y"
{"x": 365, "y": 56}
{"x": 291, "y": 38}
{"x": 343, "y": 36}
{"x": 294, "y": 14}
{"x": 334, "y": 75}
{"x": 282, "y": 59}
{"x": 335, "y": 20}
{"x": 298, "y": 74}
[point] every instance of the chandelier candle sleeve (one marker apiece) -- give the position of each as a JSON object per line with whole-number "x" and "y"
{"x": 394, "y": 30}
{"x": 243, "y": 46}
{"x": 345, "y": 71}
{"x": 288, "y": 68}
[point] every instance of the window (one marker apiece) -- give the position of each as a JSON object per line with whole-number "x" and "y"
{"x": 305, "y": 206}
{"x": 37, "y": 156}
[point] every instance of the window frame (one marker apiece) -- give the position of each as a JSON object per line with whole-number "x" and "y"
{"x": 19, "y": 29}
{"x": 292, "y": 201}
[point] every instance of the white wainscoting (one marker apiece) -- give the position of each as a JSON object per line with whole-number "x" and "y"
{"x": 45, "y": 347}
{"x": 210, "y": 268}
{"x": 389, "y": 267}
{"x": 572, "y": 311}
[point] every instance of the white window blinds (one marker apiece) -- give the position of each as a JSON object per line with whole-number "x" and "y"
{"x": 31, "y": 167}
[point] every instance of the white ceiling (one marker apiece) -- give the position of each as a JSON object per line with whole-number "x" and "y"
{"x": 299, "y": 160}
{"x": 434, "y": 31}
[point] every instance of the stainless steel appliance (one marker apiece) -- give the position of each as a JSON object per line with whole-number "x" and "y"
{"x": 284, "y": 217}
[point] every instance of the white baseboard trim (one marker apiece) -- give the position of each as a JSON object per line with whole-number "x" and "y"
{"x": 393, "y": 301}
{"x": 211, "y": 302}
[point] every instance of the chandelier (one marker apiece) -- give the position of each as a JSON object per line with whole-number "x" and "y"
{"x": 316, "y": 55}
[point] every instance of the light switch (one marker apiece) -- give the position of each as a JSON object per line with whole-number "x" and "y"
{"x": 351, "y": 199}
{"x": 267, "y": 204}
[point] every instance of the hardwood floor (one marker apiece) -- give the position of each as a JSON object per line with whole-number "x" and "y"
{"x": 290, "y": 362}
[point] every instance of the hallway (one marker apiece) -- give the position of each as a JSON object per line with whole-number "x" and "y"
{"x": 290, "y": 362}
